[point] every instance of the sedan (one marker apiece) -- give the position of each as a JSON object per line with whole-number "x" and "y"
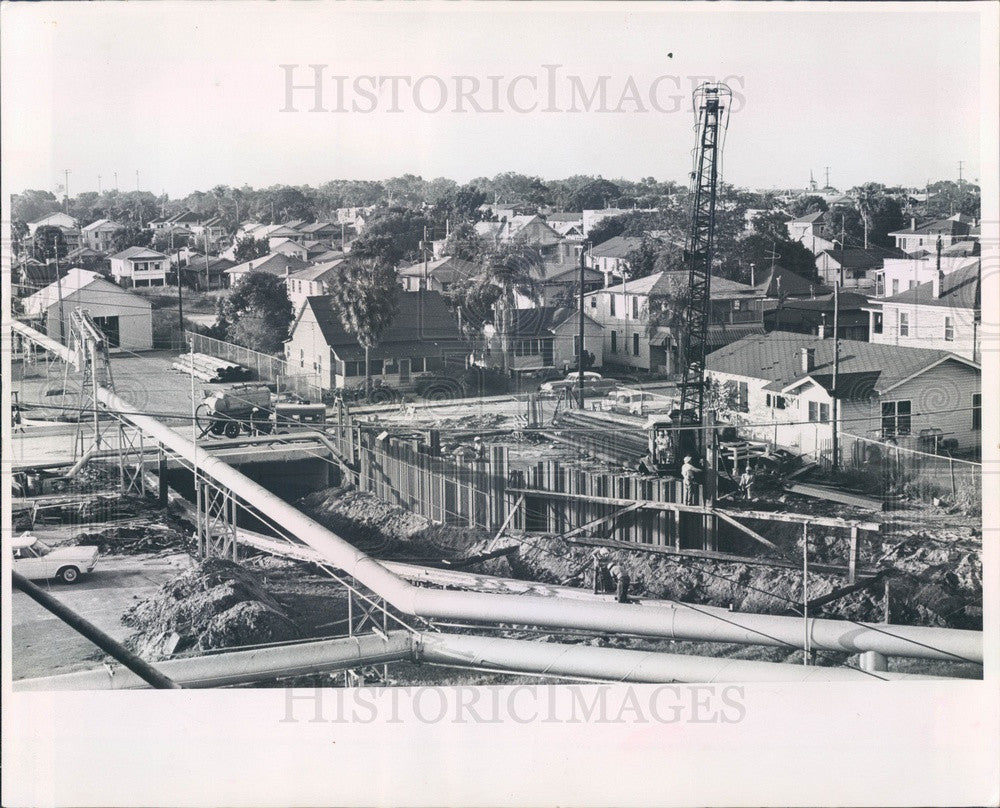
{"x": 35, "y": 559}
{"x": 593, "y": 385}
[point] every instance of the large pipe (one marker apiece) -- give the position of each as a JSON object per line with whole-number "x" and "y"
{"x": 679, "y": 622}
{"x": 241, "y": 667}
{"x": 623, "y": 665}
{"x": 456, "y": 651}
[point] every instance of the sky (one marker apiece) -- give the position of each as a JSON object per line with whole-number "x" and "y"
{"x": 191, "y": 94}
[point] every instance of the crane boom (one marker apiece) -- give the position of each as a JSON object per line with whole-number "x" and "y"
{"x": 711, "y": 106}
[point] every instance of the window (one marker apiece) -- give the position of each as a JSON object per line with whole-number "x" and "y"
{"x": 593, "y": 301}
{"x": 391, "y": 367}
{"x": 949, "y": 329}
{"x": 611, "y": 305}
{"x": 614, "y": 340}
{"x": 775, "y": 402}
{"x": 527, "y": 347}
{"x": 302, "y": 358}
{"x": 895, "y": 418}
{"x": 353, "y": 368}
{"x": 904, "y": 324}
{"x": 635, "y": 308}
{"x": 417, "y": 365}
{"x": 877, "y": 323}
{"x": 819, "y": 412}
{"x": 635, "y": 344}
{"x": 376, "y": 367}
{"x": 977, "y": 411}
{"x": 743, "y": 394}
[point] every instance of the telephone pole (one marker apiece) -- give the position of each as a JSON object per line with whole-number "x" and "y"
{"x": 960, "y": 163}
{"x": 836, "y": 371}
{"x": 827, "y": 169}
{"x": 66, "y": 189}
{"x": 580, "y": 351}
{"x": 62, "y": 311}
{"x": 137, "y": 179}
{"x": 98, "y": 184}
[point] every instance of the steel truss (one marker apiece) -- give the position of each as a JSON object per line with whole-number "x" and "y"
{"x": 216, "y": 520}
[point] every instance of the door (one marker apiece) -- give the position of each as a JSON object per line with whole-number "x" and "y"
{"x": 28, "y": 563}
{"x": 404, "y": 371}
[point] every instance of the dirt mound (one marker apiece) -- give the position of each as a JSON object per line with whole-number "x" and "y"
{"x": 385, "y": 530}
{"x": 129, "y": 539}
{"x": 218, "y": 604}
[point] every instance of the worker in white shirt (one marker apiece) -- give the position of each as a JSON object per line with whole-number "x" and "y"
{"x": 689, "y": 473}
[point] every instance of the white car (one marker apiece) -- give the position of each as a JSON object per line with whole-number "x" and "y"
{"x": 35, "y": 559}
{"x": 593, "y": 384}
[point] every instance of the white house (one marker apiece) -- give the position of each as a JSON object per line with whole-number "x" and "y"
{"x": 899, "y": 274}
{"x": 440, "y": 274}
{"x": 813, "y": 231}
{"x": 61, "y": 220}
{"x": 287, "y": 246}
{"x": 540, "y": 338}
{"x": 609, "y": 257}
{"x": 918, "y": 239}
{"x": 943, "y": 313}
{"x": 623, "y": 312}
{"x": 140, "y": 266}
{"x": 311, "y": 281}
{"x": 125, "y": 318}
{"x": 273, "y": 264}
{"x": 98, "y": 235}
{"x": 780, "y": 385}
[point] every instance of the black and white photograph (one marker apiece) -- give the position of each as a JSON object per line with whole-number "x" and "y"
{"x": 500, "y": 404}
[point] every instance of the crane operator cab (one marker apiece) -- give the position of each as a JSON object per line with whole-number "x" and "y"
{"x": 669, "y": 442}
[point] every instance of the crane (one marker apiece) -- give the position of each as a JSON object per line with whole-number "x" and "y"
{"x": 90, "y": 354}
{"x": 711, "y": 102}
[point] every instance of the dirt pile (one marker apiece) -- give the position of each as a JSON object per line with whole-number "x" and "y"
{"x": 385, "y": 530}
{"x": 136, "y": 538}
{"x": 218, "y": 604}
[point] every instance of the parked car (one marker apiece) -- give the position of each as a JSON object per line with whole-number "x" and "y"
{"x": 593, "y": 385}
{"x": 35, "y": 559}
{"x": 637, "y": 402}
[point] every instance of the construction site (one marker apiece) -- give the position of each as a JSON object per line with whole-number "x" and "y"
{"x": 247, "y": 542}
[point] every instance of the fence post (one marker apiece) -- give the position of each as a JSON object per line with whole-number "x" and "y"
{"x": 852, "y": 561}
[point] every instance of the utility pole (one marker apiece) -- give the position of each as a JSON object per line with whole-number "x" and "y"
{"x": 98, "y": 184}
{"x": 836, "y": 371}
{"x": 827, "y": 168}
{"x": 137, "y": 180}
{"x": 66, "y": 190}
{"x": 180, "y": 298}
{"x": 960, "y": 163}
{"x": 62, "y": 311}
{"x": 423, "y": 248}
{"x": 116, "y": 180}
{"x": 580, "y": 351}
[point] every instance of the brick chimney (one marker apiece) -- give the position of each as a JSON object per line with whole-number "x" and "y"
{"x": 808, "y": 358}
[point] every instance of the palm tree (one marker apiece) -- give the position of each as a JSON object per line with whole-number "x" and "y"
{"x": 365, "y": 295}
{"x": 509, "y": 270}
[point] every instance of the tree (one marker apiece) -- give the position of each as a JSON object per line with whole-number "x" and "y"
{"x": 248, "y": 248}
{"x": 594, "y": 195}
{"x": 391, "y": 235}
{"x": 510, "y": 270}
{"x": 670, "y": 308}
{"x": 50, "y": 243}
{"x": 259, "y": 311}
{"x": 467, "y": 200}
{"x": 465, "y": 243}
{"x": 652, "y": 255}
{"x": 366, "y": 296}
{"x": 763, "y": 251}
{"x": 130, "y": 236}
{"x": 804, "y": 205}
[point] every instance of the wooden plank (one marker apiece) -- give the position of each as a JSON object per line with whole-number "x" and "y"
{"x": 833, "y": 495}
{"x": 601, "y": 520}
{"x": 822, "y": 521}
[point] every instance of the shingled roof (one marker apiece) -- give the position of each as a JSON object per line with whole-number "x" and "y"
{"x": 865, "y": 367}
{"x": 423, "y": 325}
{"x": 959, "y": 289}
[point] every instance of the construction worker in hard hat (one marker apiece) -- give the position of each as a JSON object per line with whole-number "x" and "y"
{"x": 622, "y": 582}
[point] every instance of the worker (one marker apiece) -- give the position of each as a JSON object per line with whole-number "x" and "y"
{"x": 746, "y": 482}
{"x": 689, "y": 473}
{"x": 15, "y": 414}
{"x": 480, "y": 448}
{"x": 600, "y": 564}
{"x": 622, "y": 582}
{"x": 662, "y": 447}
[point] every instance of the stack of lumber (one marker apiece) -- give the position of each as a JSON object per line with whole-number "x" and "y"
{"x": 211, "y": 368}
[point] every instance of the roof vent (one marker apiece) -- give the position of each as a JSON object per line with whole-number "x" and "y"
{"x": 808, "y": 359}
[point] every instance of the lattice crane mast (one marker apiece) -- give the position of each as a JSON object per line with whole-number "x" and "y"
{"x": 90, "y": 355}
{"x": 711, "y": 102}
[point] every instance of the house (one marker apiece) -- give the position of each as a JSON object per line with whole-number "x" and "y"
{"x": 61, "y": 220}
{"x": 925, "y": 236}
{"x": 813, "y": 230}
{"x": 286, "y": 246}
{"x": 943, "y": 313}
{"x": 33, "y": 275}
{"x": 273, "y": 264}
{"x": 87, "y": 258}
{"x": 423, "y": 338}
{"x": 899, "y": 274}
{"x": 66, "y": 224}
{"x": 853, "y": 267}
{"x": 140, "y": 266}
{"x": 125, "y": 318}
{"x": 541, "y": 338}
{"x": 99, "y": 235}
{"x": 630, "y": 339}
{"x": 609, "y": 257}
{"x": 531, "y": 230}
{"x": 213, "y": 230}
{"x": 777, "y": 283}
{"x": 327, "y": 255}
{"x": 815, "y": 315}
{"x": 321, "y": 231}
{"x": 780, "y": 386}
{"x": 440, "y": 274}
{"x": 313, "y": 281}
{"x": 203, "y": 273}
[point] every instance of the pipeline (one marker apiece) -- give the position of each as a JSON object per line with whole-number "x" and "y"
{"x": 678, "y": 622}
{"x": 454, "y": 651}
